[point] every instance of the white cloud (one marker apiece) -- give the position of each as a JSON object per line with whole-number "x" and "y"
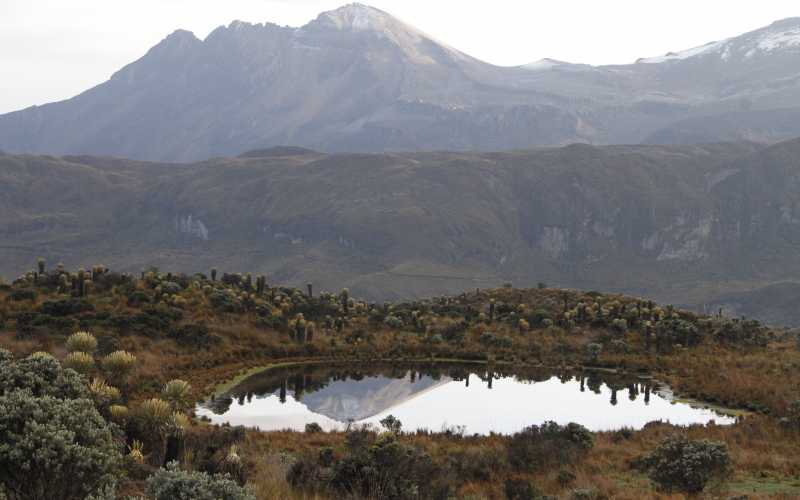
{"x": 53, "y": 49}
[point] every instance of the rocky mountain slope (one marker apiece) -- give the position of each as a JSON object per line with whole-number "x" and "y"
{"x": 680, "y": 223}
{"x": 357, "y": 79}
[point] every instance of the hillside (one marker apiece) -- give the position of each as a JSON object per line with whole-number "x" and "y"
{"x": 678, "y": 223}
{"x": 153, "y": 345}
{"x": 358, "y": 79}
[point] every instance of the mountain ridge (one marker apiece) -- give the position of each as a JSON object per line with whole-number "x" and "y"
{"x": 382, "y": 85}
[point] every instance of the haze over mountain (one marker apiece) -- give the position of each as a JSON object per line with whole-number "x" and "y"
{"x": 702, "y": 225}
{"x": 357, "y": 79}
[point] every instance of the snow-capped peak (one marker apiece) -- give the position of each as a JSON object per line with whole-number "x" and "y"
{"x": 780, "y": 35}
{"x": 357, "y": 17}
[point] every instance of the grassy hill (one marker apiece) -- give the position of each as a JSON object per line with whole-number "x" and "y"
{"x": 677, "y": 223}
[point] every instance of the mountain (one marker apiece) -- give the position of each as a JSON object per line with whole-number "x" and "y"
{"x": 358, "y": 79}
{"x": 355, "y": 400}
{"x": 683, "y": 224}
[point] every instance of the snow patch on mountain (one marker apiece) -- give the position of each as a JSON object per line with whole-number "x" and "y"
{"x": 781, "y": 35}
{"x": 779, "y": 40}
{"x": 686, "y": 54}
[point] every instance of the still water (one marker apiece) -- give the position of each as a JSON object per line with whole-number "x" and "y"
{"x": 436, "y": 397}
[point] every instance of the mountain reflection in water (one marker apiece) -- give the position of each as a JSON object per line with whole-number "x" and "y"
{"x": 434, "y": 396}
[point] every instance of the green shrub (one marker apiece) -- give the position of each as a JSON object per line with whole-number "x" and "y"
{"x": 137, "y": 298}
{"x": 679, "y": 464}
{"x": 197, "y": 336}
{"x": 172, "y": 483}
{"x": 566, "y": 477}
{"x": 313, "y": 428}
{"x": 22, "y": 295}
{"x": 65, "y": 307}
{"x": 521, "y": 489}
{"x": 53, "y": 442}
{"x": 585, "y": 494}
{"x": 388, "y": 470}
{"x": 41, "y": 375}
{"x": 391, "y": 424}
{"x": 480, "y": 463}
{"x": 537, "y": 447}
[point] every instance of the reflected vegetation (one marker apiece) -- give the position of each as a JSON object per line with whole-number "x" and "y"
{"x": 474, "y": 397}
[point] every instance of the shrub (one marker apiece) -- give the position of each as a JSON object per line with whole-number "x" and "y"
{"x": 387, "y": 469}
{"x": 521, "y": 489}
{"x": 197, "y": 336}
{"x": 40, "y": 375}
{"x": 137, "y": 298}
{"x": 172, "y": 483}
{"x": 65, "y": 307}
{"x": 593, "y": 352}
{"x": 566, "y": 477}
{"x": 22, "y": 295}
{"x": 59, "y": 449}
{"x": 584, "y": 494}
{"x": 679, "y": 464}
{"x": 313, "y": 428}
{"x": 53, "y": 442}
{"x": 479, "y": 463}
{"x": 537, "y": 447}
{"x": 392, "y": 424}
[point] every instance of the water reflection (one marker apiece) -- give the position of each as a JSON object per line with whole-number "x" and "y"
{"x": 434, "y": 396}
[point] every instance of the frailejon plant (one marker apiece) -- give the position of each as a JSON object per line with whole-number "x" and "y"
{"x": 79, "y": 361}
{"x": 177, "y": 393}
{"x": 118, "y": 366}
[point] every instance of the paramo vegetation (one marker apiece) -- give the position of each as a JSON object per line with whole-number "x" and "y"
{"x": 104, "y": 368}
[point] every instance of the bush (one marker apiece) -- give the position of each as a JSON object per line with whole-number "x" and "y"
{"x": 172, "y": 483}
{"x": 40, "y": 375}
{"x": 22, "y": 295}
{"x": 585, "y": 494}
{"x": 679, "y": 464}
{"x": 537, "y": 447}
{"x": 53, "y": 442}
{"x": 192, "y": 335}
{"x": 566, "y": 477}
{"x": 137, "y": 298}
{"x": 520, "y": 489}
{"x": 65, "y": 307}
{"x": 386, "y": 469}
{"x": 391, "y": 424}
{"x": 313, "y": 428}
{"x": 479, "y": 463}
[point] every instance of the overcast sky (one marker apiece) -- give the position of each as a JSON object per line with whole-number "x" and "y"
{"x": 53, "y": 49}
